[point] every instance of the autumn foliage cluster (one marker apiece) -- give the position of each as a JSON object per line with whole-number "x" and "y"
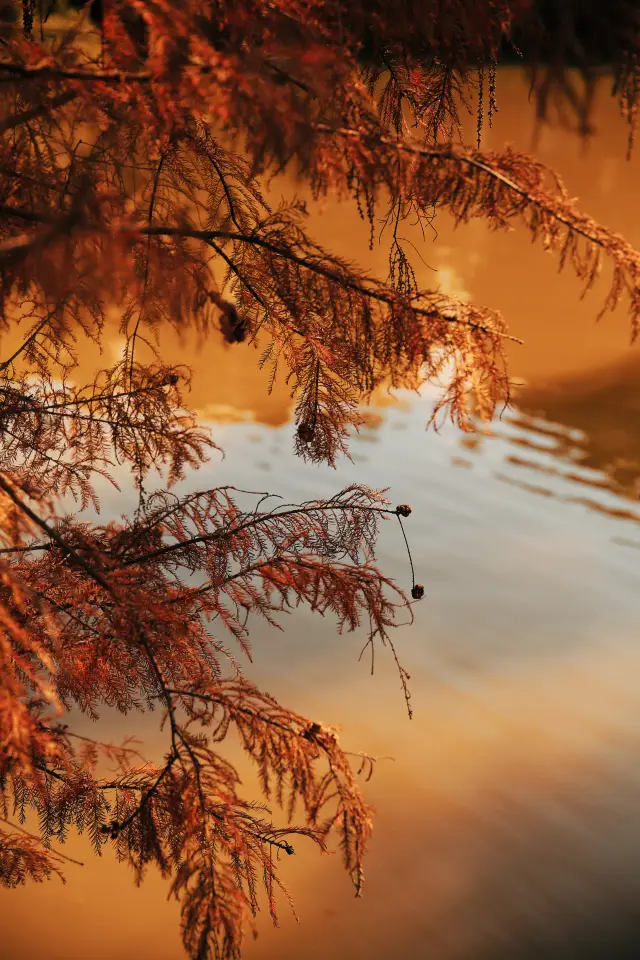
{"x": 134, "y": 139}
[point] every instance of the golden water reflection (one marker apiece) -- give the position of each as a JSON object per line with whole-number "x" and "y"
{"x": 508, "y": 824}
{"x": 598, "y": 418}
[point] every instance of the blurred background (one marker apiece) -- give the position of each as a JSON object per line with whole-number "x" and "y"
{"x": 508, "y": 822}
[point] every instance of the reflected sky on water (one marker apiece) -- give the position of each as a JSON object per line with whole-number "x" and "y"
{"x": 508, "y": 822}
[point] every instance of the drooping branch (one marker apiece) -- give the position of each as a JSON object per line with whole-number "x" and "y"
{"x": 499, "y": 187}
{"x": 371, "y": 291}
{"x": 158, "y": 791}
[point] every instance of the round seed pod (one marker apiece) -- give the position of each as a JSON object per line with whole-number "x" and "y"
{"x": 306, "y": 432}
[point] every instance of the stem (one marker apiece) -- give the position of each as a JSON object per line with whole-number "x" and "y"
{"x": 32, "y": 836}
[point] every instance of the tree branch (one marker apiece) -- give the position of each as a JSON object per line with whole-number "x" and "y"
{"x": 344, "y": 281}
{"x": 472, "y": 159}
{"x": 53, "y": 853}
{"x": 26, "y": 116}
{"x": 255, "y": 521}
{"x": 46, "y": 70}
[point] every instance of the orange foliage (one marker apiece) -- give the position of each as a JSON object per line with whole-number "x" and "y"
{"x": 130, "y": 165}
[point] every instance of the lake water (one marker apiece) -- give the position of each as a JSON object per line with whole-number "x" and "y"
{"x": 508, "y": 823}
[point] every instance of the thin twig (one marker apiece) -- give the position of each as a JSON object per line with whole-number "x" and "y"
{"x": 53, "y": 853}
